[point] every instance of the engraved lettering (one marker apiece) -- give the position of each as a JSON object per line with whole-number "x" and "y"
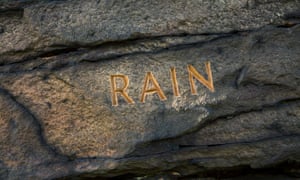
{"x": 115, "y": 91}
{"x": 156, "y": 89}
{"x": 174, "y": 82}
{"x": 194, "y": 74}
{"x": 151, "y": 86}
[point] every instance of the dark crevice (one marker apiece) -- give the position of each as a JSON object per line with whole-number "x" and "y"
{"x": 241, "y": 75}
{"x": 65, "y": 51}
{"x": 63, "y": 81}
{"x": 292, "y": 15}
{"x": 80, "y": 49}
{"x": 45, "y": 54}
{"x": 289, "y": 24}
{"x": 15, "y": 8}
{"x": 157, "y": 51}
{"x": 15, "y": 5}
{"x": 260, "y": 83}
{"x": 186, "y": 147}
{"x": 278, "y": 171}
{"x": 284, "y": 169}
{"x": 264, "y": 107}
{"x": 240, "y": 142}
{"x": 2, "y": 29}
{"x": 134, "y": 40}
{"x": 57, "y": 52}
{"x": 291, "y": 19}
{"x": 209, "y": 121}
{"x": 15, "y": 12}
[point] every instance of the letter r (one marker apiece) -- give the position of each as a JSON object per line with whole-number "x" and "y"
{"x": 115, "y": 91}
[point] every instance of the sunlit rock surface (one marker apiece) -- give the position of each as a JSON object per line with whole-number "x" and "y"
{"x": 58, "y": 118}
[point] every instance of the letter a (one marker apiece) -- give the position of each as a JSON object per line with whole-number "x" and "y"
{"x": 156, "y": 89}
{"x": 122, "y": 91}
{"x": 194, "y": 74}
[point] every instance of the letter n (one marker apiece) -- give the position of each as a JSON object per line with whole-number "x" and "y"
{"x": 115, "y": 91}
{"x": 194, "y": 74}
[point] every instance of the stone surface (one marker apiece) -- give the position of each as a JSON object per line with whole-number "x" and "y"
{"x": 56, "y": 114}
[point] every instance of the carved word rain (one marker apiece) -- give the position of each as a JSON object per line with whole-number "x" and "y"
{"x": 149, "y": 78}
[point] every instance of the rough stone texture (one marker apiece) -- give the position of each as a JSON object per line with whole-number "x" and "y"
{"x": 56, "y": 114}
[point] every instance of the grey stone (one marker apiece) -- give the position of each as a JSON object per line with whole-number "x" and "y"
{"x": 57, "y": 114}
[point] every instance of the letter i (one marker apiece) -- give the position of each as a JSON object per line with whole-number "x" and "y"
{"x": 174, "y": 82}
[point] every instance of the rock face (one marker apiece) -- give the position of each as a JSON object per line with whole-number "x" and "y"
{"x": 149, "y": 89}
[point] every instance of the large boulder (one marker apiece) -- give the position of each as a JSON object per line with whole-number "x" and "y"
{"x": 149, "y": 89}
